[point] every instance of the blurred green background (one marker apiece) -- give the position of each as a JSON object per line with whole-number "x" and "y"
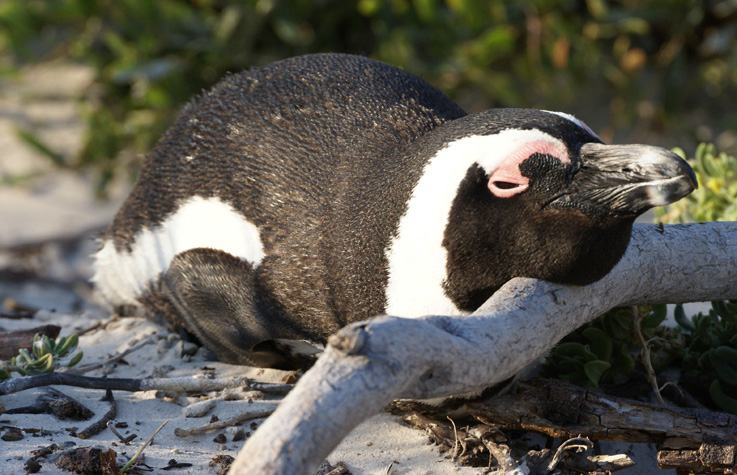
{"x": 661, "y": 72}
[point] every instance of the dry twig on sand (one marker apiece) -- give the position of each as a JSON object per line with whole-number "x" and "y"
{"x": 213, "y": 426}
{"x": 100, "y": 425}
{"x": 176, "y": 385}
{"x": 93, "y": 366}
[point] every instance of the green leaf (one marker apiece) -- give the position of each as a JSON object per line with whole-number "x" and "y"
{"x": 681, "y": 319}
{"x": 75, "y": 359}
{"x": 68, "y": 346}
{"x": 655, "y": 317}
{"x": 26, "y": 356}
{"x": 601, "y": 343}
{"x": 722, "y": 310}
{"x": 623, "y": 363}
{"x": 724, "y": 363}
{"x": 721, "y": 399}
{"x": 570, "y": 349}
{"x": 595, "y": 370}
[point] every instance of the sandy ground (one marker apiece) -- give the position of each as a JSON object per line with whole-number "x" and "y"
{"x": 48, "y": 220}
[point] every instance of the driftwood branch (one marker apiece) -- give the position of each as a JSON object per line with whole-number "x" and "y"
{"x": 559, "y": 409}
{"x": 367, "y": 364}
{"x": 696, "y": 439}
{"x": 175, "y": 385}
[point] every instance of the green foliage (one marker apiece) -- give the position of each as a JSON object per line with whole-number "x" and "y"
{"x": 710, "y": 350}
{"x": 703, "y": 348}
{"x": 47, "y": 354}
{"x": 716, "y": 198}
{"x": 657, "y": 63}
{"x": 601, "y": 351}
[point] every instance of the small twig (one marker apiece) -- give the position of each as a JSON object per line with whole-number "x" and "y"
{"x": 274, "y": 389}
{"x": 93, "y": 366}
{"x": 503, "y": 454}
{"x": 178, "y": 385}
{"x": 98, "y": 325}
{"x": 678, "y": 395}
{"x": 89, "y": 329}
{"x": 213, "y": 426}
{"x": 100, "y": 425}
{"x": 670, "y": 384}
{"x": 124, "y": 439}
{"x": 574, "y": 443}
{"x": 651, "y": 377}
{"x": 455, "y": 444}
{"x": 140, "y": 451}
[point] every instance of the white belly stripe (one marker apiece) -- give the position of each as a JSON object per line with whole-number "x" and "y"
{"x": 123, "y": 276}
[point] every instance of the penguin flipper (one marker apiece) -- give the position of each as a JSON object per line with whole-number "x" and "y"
{"x": 215, "y": 295}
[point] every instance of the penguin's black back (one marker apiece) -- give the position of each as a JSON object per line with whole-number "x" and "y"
{"x": 311, "y": 150}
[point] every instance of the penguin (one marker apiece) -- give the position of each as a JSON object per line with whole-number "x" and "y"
{"x": 293, "y": 199}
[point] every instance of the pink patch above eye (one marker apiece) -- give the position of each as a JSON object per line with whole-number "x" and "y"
{"x": 507, "y": 180}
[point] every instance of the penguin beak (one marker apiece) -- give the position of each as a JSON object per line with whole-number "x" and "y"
{"x": 627, "y": 179}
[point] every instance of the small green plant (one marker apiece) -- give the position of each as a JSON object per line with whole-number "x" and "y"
{"x": 710, "y": 350}
{"x": 601, "y": 351}
{"x": 45, "y": 356}
{"x": 716, "y": 198}
{"x": 703, "y": 347}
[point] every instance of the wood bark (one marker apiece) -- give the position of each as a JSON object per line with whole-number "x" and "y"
{"x": 13, "y": 340}
{"x": 697, "y": 440}
{"x": 367, "y": 364}
{"x": 562, "y": 410}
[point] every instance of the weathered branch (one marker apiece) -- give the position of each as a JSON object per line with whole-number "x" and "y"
{"x": 177, "y": 385}
{"x": 100, "y": 424}
{"x": 213, "y": 426}
{"x": 699, "y": 440}
{"x": 367, "y": 364}
{"x": 560, "y": 409}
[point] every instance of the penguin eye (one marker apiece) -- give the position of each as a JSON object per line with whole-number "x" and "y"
{"x": 505, "y": 185}
{"x": 507, "y": 180}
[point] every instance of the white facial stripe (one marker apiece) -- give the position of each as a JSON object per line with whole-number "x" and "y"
{"x": 575, "y": 121}
{"x": 416, "y": 257}
{"x": 211, "y": 223}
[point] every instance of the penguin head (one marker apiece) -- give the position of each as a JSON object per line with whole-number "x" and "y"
{"x": 541, "y": 196}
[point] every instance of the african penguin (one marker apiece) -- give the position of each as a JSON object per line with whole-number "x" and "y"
{"x": 295, "y": 198}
